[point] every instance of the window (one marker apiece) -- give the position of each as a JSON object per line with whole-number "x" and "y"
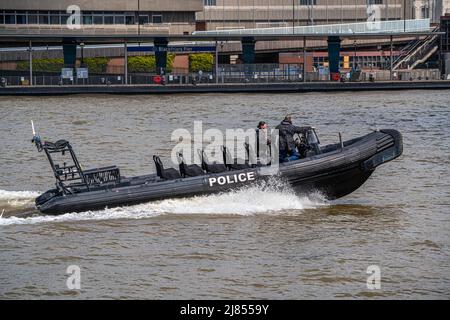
{"x": 109, "y": 19}
{"x": 87, "y": 18}
{"x": 43, "y": 17}
{"x": 308, "y": 2}
{"x": 119, "y": 20}
{"x": 21, "y": 19}
{"x": 374, "y": 1}
{"x": 2, "y": 18}
{"x": 10, "y": 18}
{"x": 209, "y": 2}
{"x": 129, "y": 20}
{"x": 64, "y": 17}
{"x": 143, "y": 19}
{"x": 55, "y": 19}
{"x": 157, "y": 18}
{"x": 98, "y": 19}
{"x": 32, "y": 17}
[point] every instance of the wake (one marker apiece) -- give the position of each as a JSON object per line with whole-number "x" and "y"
{"x": 265, "y": 198}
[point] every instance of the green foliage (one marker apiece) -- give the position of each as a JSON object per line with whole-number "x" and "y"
{"x": 147, "y": 64}
{"x": 96, "y": 65}
{"x": 43, "y": 65}
{"x": 201, "y": 61}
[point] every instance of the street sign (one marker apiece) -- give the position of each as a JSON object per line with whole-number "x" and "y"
{"x": 67, "y": 73}
{"x": 82, "y": 73}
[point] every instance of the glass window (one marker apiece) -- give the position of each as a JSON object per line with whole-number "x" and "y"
{"x": 308, "y": 2}
{"x": 87, "y": 19}
{"x": 119, "y": 20}
{"x": 209, "y": 2}
{"x": 143, "y": 19}
{"x": 129, "y": 19}
{"x": 98, "y": 19}
{"x": 55, "y": 19}
{"x": 32, "y": 19}
{"x": 43, "y": 17}
{"x": 157, "y": 18}
{"x": 21, "y": 19}
{"x": 64, "y": 18}
{"x": 10, "y": 18}
{"x": 109, "y": 19}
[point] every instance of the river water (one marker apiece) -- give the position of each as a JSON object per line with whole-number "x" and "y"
{"x": 251, "y": 243}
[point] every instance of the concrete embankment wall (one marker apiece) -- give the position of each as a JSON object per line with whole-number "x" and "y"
{"x": 227, "y": 88}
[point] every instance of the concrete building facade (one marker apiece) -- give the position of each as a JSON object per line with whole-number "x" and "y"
{"x": 101, "y": 16}
{"x": 432, "y": 9}
{"x": 244, "y": 14}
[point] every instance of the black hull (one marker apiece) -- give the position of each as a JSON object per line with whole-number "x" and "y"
{"x": 335, "y": 173}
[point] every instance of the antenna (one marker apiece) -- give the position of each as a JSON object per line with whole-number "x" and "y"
{"x": 32, "y": 128}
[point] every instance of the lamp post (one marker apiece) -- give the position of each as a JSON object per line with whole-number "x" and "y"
{"x": 139, "y": 17}
{"x": 82, "y": 54}
{"x": 354, "y": 57}
{"x": 293, "y": 16}
{"x": 404, "y": 15}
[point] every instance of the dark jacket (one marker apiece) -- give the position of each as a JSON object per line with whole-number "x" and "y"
{"x": 287, "y": 131}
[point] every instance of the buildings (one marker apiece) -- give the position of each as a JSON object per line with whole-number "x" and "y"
{"x": 101, "y": 16}
{"x": 226, "y": 14}
{"x": 432, "y": 9}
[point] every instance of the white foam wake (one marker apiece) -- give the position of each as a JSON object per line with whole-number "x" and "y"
{"x": 17, "y": 198}
{"x": 247, "y": 201}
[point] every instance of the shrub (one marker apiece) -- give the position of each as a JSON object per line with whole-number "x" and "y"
{"x": 42, "y": 65}
{"x": 96, "y": 65}
{"x": 147, "y": 64}
{"x": 201, "y": 61}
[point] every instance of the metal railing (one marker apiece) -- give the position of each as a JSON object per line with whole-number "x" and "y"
{"x": 260, "y": 77}
{"x": 415, "y": 50}
{"x": 412, "y": 25}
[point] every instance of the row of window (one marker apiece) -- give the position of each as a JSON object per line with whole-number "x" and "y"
{"x": 60, "y": 17}
{"x": 300, "y": 2}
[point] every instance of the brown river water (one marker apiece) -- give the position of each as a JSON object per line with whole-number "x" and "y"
{"x": 251, "y": 243}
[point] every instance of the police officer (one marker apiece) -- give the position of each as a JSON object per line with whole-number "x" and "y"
{"x": 287, "y": 146}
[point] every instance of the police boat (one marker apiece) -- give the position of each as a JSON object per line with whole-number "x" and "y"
{"x": 334, "y": 170}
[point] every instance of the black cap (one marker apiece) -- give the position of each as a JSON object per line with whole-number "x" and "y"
{"x": 261, "y": 123}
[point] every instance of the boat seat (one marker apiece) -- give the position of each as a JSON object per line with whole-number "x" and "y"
{"x": 233, "y": 164}
{"x": 211, "y": 167}
{"x": 251, "y": 156}
{"x": 166, "y": 174}
{"x": 189, "y": 170}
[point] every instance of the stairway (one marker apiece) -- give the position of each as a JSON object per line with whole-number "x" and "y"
{"x": 417, "y": 52}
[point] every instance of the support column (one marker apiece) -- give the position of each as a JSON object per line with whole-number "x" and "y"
{"x": 248, "y": 55}
{"x": 126, "y": 62}
{"x": 70, "y": 54}
{"x": 334, "y": 49}
{"x": 390, "y": 59}
{"x": 216, "y": 62}
{"x": 30, "y": 56}
{"x": 161, "y": 55}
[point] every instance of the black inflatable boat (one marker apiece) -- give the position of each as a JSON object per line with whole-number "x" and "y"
{"x": 334, "y": 170}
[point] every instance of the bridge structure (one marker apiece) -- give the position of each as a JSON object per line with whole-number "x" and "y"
{"x": 333, "y": 34}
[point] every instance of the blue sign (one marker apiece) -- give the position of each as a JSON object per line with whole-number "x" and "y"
{"x": 173, "y": 49}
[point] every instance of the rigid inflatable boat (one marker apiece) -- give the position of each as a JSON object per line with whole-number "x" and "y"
{"x": 334, "y": 170}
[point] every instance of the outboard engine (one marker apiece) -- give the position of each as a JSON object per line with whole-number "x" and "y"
{"x": 313, "y": 142}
